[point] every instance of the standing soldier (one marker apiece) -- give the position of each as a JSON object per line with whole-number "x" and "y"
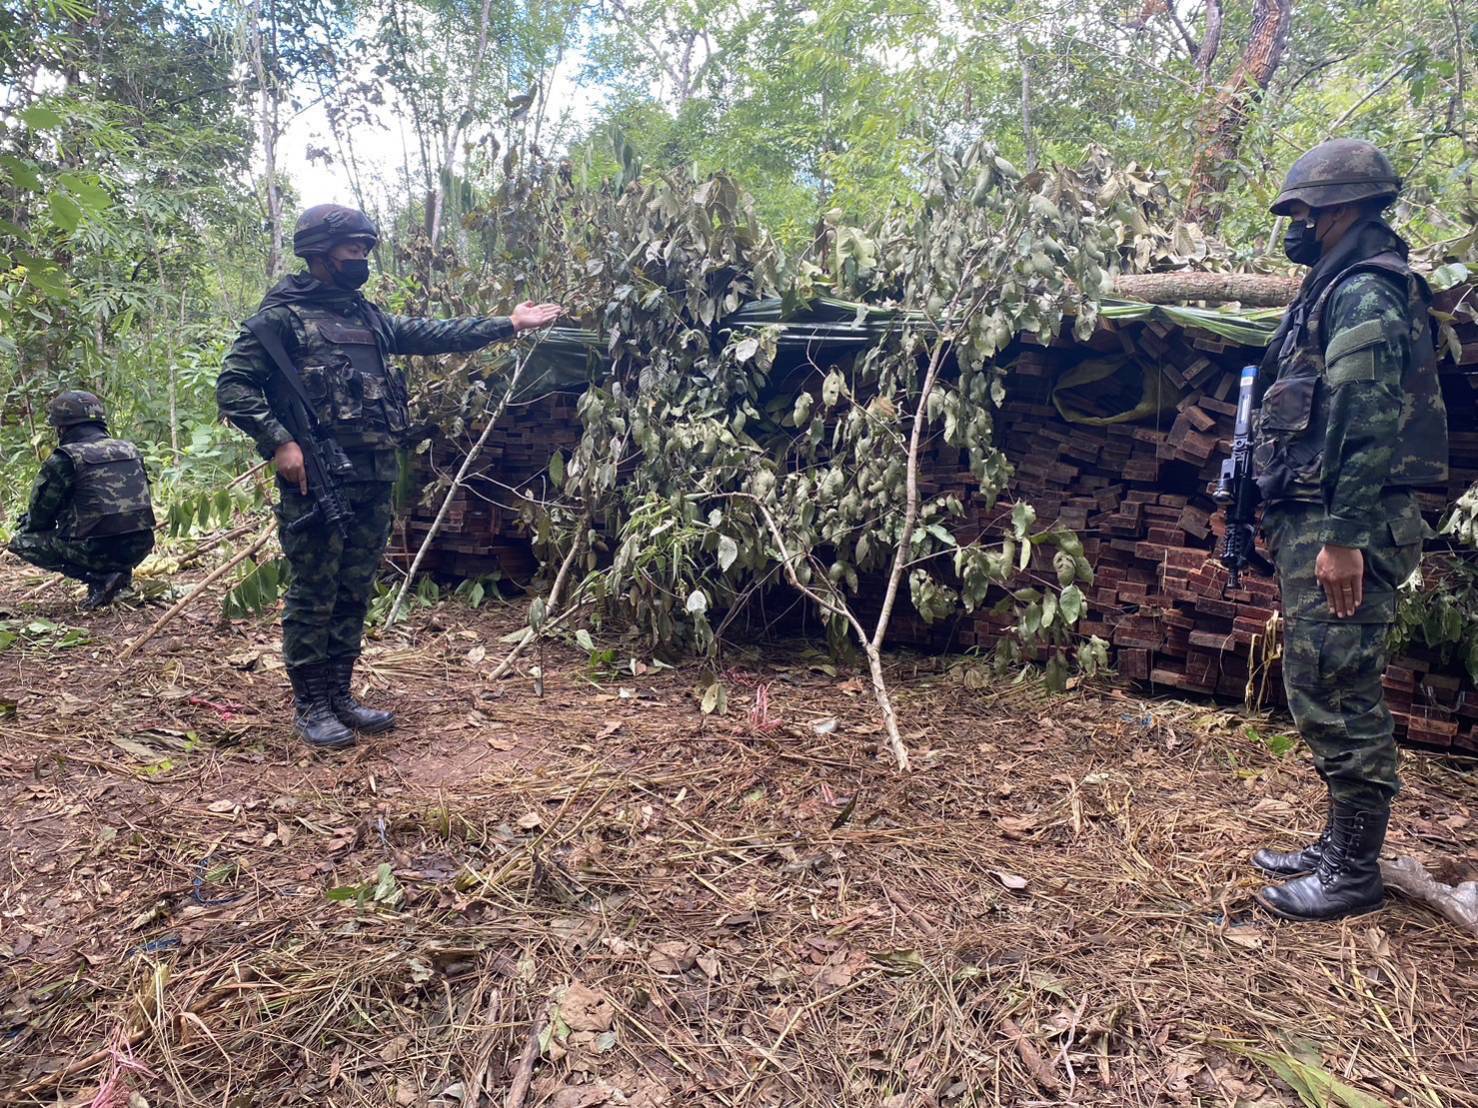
{"x": 317, "y": 358}
{"x": 90, "y": 515}
{"x": 1351, "y": 422}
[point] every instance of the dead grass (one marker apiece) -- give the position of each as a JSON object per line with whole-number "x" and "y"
{"x": 1052, "y": 908}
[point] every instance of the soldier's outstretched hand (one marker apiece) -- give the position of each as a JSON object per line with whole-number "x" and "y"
{"x": 529, "y": 316}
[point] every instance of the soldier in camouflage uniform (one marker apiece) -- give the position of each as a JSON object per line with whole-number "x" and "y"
{"x": 341, "y": 346}
{"x": 90, "y": 515}
{"x": 1350, "y": 423}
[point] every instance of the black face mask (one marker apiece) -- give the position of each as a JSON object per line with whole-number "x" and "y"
{"x": 351, "y": 273}
{"x": 1300, "y": 244}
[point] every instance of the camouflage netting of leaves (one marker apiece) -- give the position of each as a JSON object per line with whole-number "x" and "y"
{"x": 713, "y": 464}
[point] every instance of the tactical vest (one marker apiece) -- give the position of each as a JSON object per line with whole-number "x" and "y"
{"x": 110, "y": 491}
{"x": 1294, "y": 416}
{"x": 357, "y": 397}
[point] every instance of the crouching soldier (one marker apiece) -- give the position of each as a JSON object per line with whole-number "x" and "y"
{"x": 90, "y": 515}
{"x": 318, "y": 349}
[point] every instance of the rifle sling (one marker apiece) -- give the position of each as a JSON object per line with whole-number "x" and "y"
{"x": 264, "y": 334}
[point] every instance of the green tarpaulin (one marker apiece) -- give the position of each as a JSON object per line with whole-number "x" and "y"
{"x": 1099, "y": 391}
{"x": 568, "y": 357}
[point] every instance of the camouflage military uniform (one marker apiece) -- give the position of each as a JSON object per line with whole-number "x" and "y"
{"x": 314, "y": 363}
{"x": 1349, "y": 423}
{"x": 1332, "y": 667}
{"x": 340, "y": 344}
{"x": 92, "y": 522}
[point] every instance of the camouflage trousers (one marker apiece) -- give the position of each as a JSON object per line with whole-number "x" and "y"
{"x": 83, "y": 558}
{"x": 1332, "y": 667}
{"x": 333, "y": 573}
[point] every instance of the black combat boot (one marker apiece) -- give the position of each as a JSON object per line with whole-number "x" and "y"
{"x": 103, "y": 589}
{"x": 313, "y": 719}
{"x": 1347, "y": 880}
{"x": 115, "y": 583}
{"x": 96, "y": 585}
{"x": 1296, "y": 863}
{"x": 351, "y": 712}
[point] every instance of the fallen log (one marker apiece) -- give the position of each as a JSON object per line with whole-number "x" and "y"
{"x": 1457, "y": 903}
{"x": 1253, "y": 290}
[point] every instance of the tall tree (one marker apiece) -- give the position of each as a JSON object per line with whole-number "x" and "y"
{"x": 1224, "y": 120}
{"x": 471, "y": 78}
{"x": 260, "y": 39}
{"x": 290, "y": 49}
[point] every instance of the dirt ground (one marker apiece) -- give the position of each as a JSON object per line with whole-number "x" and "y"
{"x": 598, "y": 895}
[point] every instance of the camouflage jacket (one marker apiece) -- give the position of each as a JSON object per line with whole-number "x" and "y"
{"x": 91, "y": 487}
{"x": 1356, "y": 406}
{"x": 341, "y": 345}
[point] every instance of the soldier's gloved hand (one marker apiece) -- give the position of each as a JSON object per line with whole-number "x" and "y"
{"x": 1341, "y": 572}
{"x": 529, "y": 316}
{"x": 288, "y": 460}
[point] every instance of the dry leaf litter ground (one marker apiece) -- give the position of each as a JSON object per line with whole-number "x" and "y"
{"x": 601, "y": 896}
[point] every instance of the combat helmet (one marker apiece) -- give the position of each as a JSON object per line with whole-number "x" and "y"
{"x": 1340, "y": 171}
{"x": 323, "y": 225}
{"x": 75, "y": 406}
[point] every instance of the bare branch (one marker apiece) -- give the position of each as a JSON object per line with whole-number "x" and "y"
{"x": 451, "y": 492}
{"x": 1211, "y": 45}
{"x": 1191, "y": 46}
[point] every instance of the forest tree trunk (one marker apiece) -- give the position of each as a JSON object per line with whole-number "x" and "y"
{"x": 1224, "y": 120}
{"x": 267, "y": 125}
{"x": 436, "y": 202}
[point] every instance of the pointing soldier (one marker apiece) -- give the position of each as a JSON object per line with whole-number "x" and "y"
{"x": 338, "y": 348}
{"x": 1351, "y": 422}
{"x": 90, "y": 515}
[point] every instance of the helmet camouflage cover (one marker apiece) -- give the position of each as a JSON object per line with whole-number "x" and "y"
{"x": 322, "y": 226}
{"x": 75, "y": 406}
{"x": 1341, "y": 171}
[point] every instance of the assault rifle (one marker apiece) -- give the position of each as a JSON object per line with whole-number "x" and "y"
{"x": 1237, "y": 493}
{"x": 323, "y": 457}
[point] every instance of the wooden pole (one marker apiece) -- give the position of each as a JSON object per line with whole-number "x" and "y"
{"x": 552, "y": 605}
{"x": 214, "y": 576}
{"x": 210, "y": 544}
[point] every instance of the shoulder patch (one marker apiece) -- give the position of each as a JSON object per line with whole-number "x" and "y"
{"x": 1350, "y": 356}
{"x": 1355, "y": 338}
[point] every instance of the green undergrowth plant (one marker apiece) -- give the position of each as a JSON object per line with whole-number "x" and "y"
{"x": 259, "y": 588}
{"x": 192, "y": 510}
{"x": 1439, "y": 605}
{"x": 41, "y": 634}
{"x": 428, "y": 593}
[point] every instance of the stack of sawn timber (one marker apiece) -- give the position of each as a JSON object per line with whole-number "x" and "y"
{"x": 483, "y": 533}
{"x": 1137, "y": 493}
{"x": 1139, "y": 496}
